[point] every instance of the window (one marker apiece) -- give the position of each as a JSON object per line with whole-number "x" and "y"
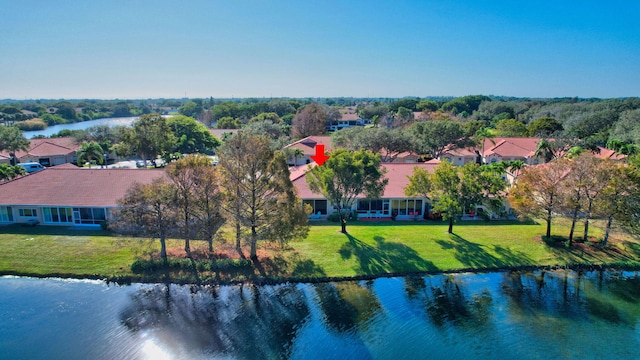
{"x": 89, "y": 216}
{"x": 57, "y": 215}
{"x": 318, "y": 206}
{"x": 6, "y": 214}
{"x": 375, "y": 205}
{"x": 27, "y": 212}
{"x": 407, "y": 207}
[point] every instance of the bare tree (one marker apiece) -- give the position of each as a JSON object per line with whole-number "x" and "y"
{"x": 258, "y": 193}
{"x": 539, "y": 190}
{"x": 309, "y": 121}
{"x": 197, "y": 196}
{"x": 147, "y": 210}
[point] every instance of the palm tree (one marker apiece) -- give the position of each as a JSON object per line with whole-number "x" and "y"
{"x": 546, "y": 149}
{"x": 9, "y": 172}
{"x": 89, "y": 151}
{"x": 11, "y": 139}
{"x": 515, "y": 166}
{"x": 479, "y": 138}
{"x": 297, "y": 153}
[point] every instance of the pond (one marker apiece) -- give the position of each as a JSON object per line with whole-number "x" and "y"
{"x": 502, "y": 315}
{"x": 54, "y": 129}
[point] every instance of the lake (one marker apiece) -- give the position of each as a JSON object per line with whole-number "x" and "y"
{"x": 502, "y": 315}
{"x": 54, "y": 129}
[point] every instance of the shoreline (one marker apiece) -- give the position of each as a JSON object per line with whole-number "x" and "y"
{"x": 261, "y": 281}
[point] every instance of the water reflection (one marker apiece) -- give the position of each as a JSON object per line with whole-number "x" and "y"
{"x": 347, "y": 306}
{"x": 242, "y": 321}
{"x": 524, "y": 315}
{"x": 445, "y": 301}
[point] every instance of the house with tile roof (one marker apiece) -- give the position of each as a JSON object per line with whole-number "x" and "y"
{"x": 307, "y": 147}
{"x": 67, "y": 195}
{"x": 392, "y": 204}
{"x": 505, "y": 149}
{"x": 461, "y": 156}
{"x": 348, "y": 118}
{"x": 47, "y": 151}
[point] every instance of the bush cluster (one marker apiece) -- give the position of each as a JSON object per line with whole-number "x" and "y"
{"x": 152, "y": 265}
{"x": 334, "y": 217}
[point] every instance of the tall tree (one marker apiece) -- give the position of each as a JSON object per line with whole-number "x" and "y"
{"x": 196, "y": 199}
{"x": 598, "y": 175}
{"x": 147, "y": 210}
{"x": 619, "y": 199}
{"x": 259, "y": 193}
{"x": 544, "y": 126}
{"x": 11, "y": 139}
{"x": 434, "y": 137}
{"x": 573, "y": 189}
{"x": 181, "y": 176}
{"x": 539, "y": 190}
{"x": 550, "y": 149}
{"x": 420, "y": 183}
{"x": 208, "y": 208}
{"x": 344, "y": 177}
{"x": 151, "y": 136}
{"x": 310, "y": 120}
{"x": 90, "y": 151}
{"x": 192, "y": 137}
{"x": 453, "y": 189}
{"x": 389, "y": 143}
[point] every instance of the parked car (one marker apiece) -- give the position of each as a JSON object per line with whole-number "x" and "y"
{"x": 140, "y": 164}
{"x": 32, "y": 167}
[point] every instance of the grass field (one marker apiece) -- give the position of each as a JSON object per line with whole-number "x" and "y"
{"x": 370, "y": 249}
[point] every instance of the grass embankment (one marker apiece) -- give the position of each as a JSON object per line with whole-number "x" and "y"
{"x": 369, "y": 250}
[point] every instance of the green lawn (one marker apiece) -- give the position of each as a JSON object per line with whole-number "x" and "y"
{"x": 369, "y": 249}
{"x": 391, "y": 247}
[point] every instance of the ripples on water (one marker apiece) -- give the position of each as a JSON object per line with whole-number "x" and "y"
{"x": 541, "y": 315}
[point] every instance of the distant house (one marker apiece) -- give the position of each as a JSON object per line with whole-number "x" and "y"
{"x": 504, "y": 149}
{"x": 348, "y": 119}
{"x": 48, "y": 152}
{"x": 460, "y": 156}
{"x": 307, "y": 147}
{"x": 67, "y": 195}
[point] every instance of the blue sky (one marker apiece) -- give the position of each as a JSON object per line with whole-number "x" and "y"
{"x": 150, "y": 49}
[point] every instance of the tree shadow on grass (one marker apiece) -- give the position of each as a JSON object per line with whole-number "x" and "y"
{"x": 592, "y": 252}
{"x": 292, "y": 265}
{"x": 476, "y": 256}
{"x": 384, "y": 257}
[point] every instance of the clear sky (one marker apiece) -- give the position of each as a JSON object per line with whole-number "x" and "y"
{"x": 303, "y": 48}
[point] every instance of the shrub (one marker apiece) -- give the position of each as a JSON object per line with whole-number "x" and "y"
{"x": 30, "y": 125}
{"x": 334, "y": 217}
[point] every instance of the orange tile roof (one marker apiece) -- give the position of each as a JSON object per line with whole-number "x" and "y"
{"x": 522, "y": 147}
{"x": 609, "y": 154}
{"x": 397, "y": 174}
{"x": 48, "y": 147}
{"x": 308, "y": 144}
{"x": 461, "y": 152}
{"x": 346, "y": 117}
{"x": 68, "y": 185}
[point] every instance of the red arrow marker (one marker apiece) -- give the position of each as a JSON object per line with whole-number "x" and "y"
{"x": 319, "y": 157}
